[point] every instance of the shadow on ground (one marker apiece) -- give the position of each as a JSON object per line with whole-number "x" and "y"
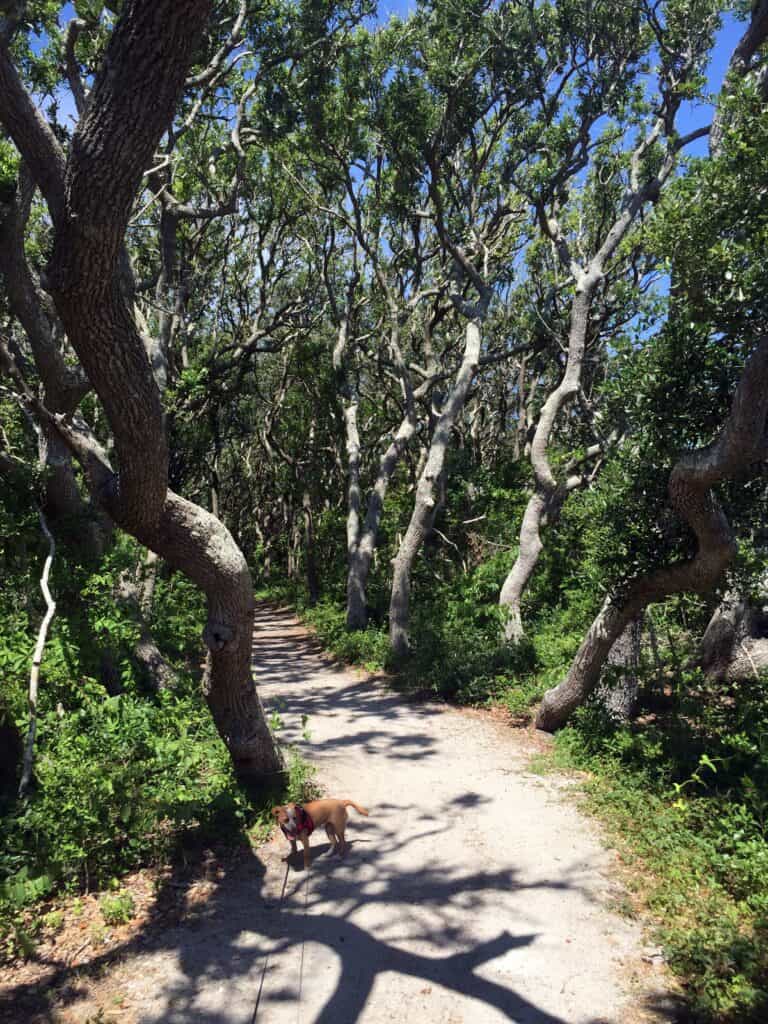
{"x": 248, "y": 926}
{"x": 289, "y": 658}
{"x": 235, "y": 939}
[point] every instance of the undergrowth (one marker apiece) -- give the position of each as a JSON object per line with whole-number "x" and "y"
{"x": 120, "y": 781}
{"x": 685, "y": 796}
{"x": 456, "y": 653}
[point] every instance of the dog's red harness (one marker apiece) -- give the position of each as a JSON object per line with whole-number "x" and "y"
{"x": 304, "y": 823}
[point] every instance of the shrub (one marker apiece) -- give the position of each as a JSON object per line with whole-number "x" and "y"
{"x": 118, "y": 780}
{"x": 685, "y": 796}
{"x": 117, "y": 908}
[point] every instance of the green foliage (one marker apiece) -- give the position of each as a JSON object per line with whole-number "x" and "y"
{"x": 686, "y": 796}
{"x": 121, "y": 780}
{"x": 9, "y": 169}
{"x": 117, "y": 908}
{"x": 301, "y": 778}
{"x": 376, "y": 165}
{"x": 16, "y": 892}
{"x": 178, "y": 610}
{"x": 117, "y": 781}
{"x": 53, "y": 920}
{"x": 368, "y": 647}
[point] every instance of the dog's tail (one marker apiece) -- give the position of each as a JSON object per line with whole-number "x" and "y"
{"x": 358, "y": 808}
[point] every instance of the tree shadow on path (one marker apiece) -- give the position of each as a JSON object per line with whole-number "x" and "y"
{"x": 209, "y": 967}
{"x": 368, "y": 915}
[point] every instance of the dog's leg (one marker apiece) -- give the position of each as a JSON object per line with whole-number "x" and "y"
{"x": 340, "y": 830}
{"x": 341, "y": 845}
{"x": 305, "y": 840}
{"x": 330, "y": 831}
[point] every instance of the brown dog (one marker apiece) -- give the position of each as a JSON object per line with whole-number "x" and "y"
{"x": 298, "y": 821}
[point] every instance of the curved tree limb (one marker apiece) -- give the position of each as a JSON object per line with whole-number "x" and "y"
{"x": 199, "y": 545}
{"x": 545, "y": 504}
{"x": 34, "y": 139}
{"x": 429, "y": 480}
{"x": 741, "y": 443}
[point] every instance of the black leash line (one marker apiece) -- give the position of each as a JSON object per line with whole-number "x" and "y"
{"x": 269, "y": 953}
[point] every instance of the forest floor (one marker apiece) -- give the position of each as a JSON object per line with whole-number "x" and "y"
{"x": 476, "y": 892}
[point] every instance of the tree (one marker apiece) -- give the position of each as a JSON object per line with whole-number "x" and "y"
{"x": 740, "y": 444}
{"x": 89, "y": 192}
{"x": 627, "y": 164}
{"x": 719, "y": 314}
{"x": 451, "y": 160}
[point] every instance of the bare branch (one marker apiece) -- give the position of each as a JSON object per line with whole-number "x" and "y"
{"x": 33, "y": 138}
{"x": 37, "y": 658}
{"x": 233, "y": 39}
{"x": 76, "y": 86}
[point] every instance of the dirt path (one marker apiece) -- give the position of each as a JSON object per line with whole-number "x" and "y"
{"x": 474, "y": 893}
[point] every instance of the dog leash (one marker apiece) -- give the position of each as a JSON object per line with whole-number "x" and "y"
{"x": 268, "y": 954}
{"x": 303, "y": 943}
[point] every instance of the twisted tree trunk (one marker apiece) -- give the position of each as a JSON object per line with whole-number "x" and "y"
{"x": 362, "y": 541}
{"x": 548, "y": 495}
{"x": 549, "y": 492}
{"x": 362, "y": 534}
{"x": 741, "y": 443}
{"x": 619, "y": 687}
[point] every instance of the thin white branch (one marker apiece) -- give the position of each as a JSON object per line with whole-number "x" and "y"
{"x": 37, "y": 657}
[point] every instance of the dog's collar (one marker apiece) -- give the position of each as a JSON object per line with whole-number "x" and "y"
{"x": 304, "y": 823}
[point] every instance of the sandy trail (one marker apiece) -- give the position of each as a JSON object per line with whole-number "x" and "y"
{"x": 473, "y": 894}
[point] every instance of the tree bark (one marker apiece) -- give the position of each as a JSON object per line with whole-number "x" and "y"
{"x": 362, "y": 536}
{"x": 523, "y": 568}
{"x": 313, "y": 579}
{"x": 548, "y": 495}
{"x": 361, "y": 550}
{"x": 735, "y": 644}
{"x": 741, "y": 443}
{"x": 423, "y": 513}
{"x": 619, "y": 693}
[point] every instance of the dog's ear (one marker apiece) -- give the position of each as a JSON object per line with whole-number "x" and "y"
{"x": 276, "y": 812}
